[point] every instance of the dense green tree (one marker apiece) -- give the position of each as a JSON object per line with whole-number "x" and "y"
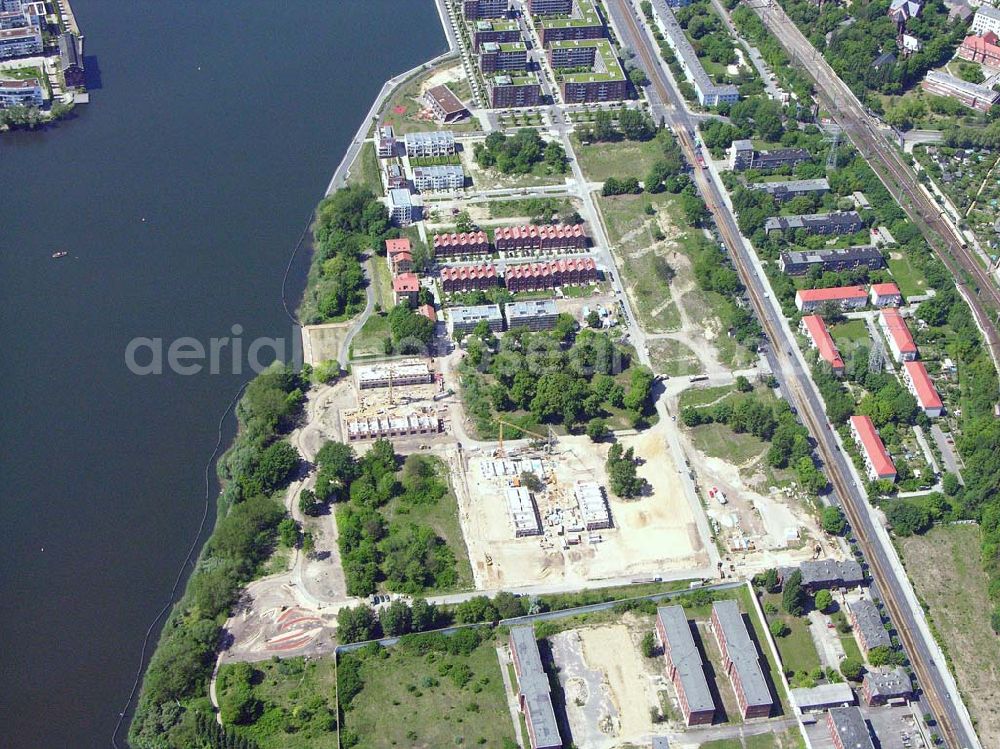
{"x": 833, "y": 521}
{"x": 907, "y": 517}
{"x": 852, "y": 669}
{"x": 356, "y": 624}
{"x": 396, "y": 619}
{"x": 823, "y": 600}
{"x": 793, "y": 595}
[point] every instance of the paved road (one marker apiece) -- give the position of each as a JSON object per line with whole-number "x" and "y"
{"x": 789, "y": 366}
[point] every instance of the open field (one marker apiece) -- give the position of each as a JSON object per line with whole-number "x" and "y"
{"x": 673, "y": 358}
{"x": 624, "y": 158}
{"x": 704, "y": 396}
{"x": 797, "y": 650}
{"x": 945, "y": 567}
{"x": 370, "y": 339}
{"x": 406, "y": 113}
{"x": 365, "y": 170}
{"x": 650, "y": 534}
{"x": 298, "y": 709}
{"x": 490, "y": 179}
{"x": 410, "y": 700}
{"x": 324, "y": 341}
{"x": 381, "y": 282}
{"x": 719, "y": 441}
{"x": 910, "y": 280}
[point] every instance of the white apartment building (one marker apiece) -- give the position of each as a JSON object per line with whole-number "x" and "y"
{"x": 26, "y": 93}
{"x": 438, "y": 143}
{"x": 987, "y": 18}
{"x": 20, "y": 42}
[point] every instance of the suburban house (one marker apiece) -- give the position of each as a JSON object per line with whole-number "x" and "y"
{"x": 876, "y": 458}
{"x": 821, "y": 340}
{"x": 385, "y": 142}
{"x": 685, "y": 668}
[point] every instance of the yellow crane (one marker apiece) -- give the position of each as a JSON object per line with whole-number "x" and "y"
{"x": 549, "y": 439}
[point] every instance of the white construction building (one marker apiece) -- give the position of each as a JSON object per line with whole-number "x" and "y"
{"x": 523, "y": 512}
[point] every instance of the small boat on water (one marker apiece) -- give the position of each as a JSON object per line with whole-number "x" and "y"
{"x": 57, "y": 255}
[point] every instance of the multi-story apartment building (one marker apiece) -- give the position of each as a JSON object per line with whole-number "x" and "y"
{"x": 473, "y": 10}
{"x": 496, "y": 56}
{"x": 469, "y": 277}
{"x": 878, "y": 464}
{"x": 438, "y": 178}
{"x": 13, "y": 19}
{"x": 785, "y": 190}
{"x": 685, "y": 668}
{"x": 823, "y": 574}
{"x": 540, "y": 238}
{"x": 901, "y": 343}
{"x": 920, "y": 384}
{"x": 573, "y": 53}
{"x": 20, "y": 93}
{"x": 983, "y": 49}
{"x": 20, "y": 42}
{"x": 464, "y": 243}
{"x": 437, "y": 143}
{"x": 508, "y": 91}
{"x": 848, "y": 258}
{"x": 584, "y": 23}
{"x": 447, "y": 107}
{"x": 972, "y": 95}
{"x": 741, "y": 660}
{"x": 743, "y": 156}
{"x": 496, "y": 30}
{"x": 402, "y": 208}
{"x": 843, "y": 297}
{"x": 465, "y": 319}
{"x": 398, "y": 255}
{"x": 821, "y": 340}
{"x": 385, "y": 142}
{"x": 406, "y": 287}
{"x": 535, "y": 314}
{"x": 987, "y": 19}
{"x": 840, "y": 222}
{"x": 550, "y": 7}
{"x": 886, "y": 295}
{"x": 606, "y": 81}
{"x": 869, "y": 629}
{"x": 550, "y": 275}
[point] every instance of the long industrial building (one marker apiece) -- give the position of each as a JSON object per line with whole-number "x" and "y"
{"x": 685, "y": 668}
{"x": 384, "y": 374}
{"x": 847, "y": 258}
{"x": 523, "y": 512}
{"x": 741, "y": 660}
{"x": 534, "y": 695}
{"x": 376, "y": 427}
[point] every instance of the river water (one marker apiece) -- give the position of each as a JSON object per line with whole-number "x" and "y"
{"x": 179, "y": 194}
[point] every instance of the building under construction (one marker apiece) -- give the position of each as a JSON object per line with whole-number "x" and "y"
{"x": 375, "y": 427}
{"x": 392, "y": 373}
{"x": 594, "y": 510}
{"x": 523, "y": 512}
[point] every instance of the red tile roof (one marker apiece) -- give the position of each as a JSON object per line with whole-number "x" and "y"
{"x": 831, "y": 295}
{"x": 927, "y": 394}
{"x": 886, "y": 289}
{"x": 565, "y": 265}
{"x": 392, "y": 246}
{"x": 896, "y": 326}
{"x": 427, "y": 310}
{"x": 461, "y": 272}
{"x": 406, "y": 282}
{"x": 465, "y": 238}
{"x": 873, "y": 445}
{"x": 823, "y": 340}
{"x": 548, "y": 231}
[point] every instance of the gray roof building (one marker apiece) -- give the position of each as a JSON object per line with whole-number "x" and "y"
{"x": 868, "y": 624}
{"x": 848, "y": 728}
{"x": 831, "y": 573}
{"x": 533, "y": 688}
{"x": 683, "y": 656}
{"x": 883, "y": 684}
{"x": 464, "y": 319}
{"x": 823, "y": 697}
{"x": 743, "y": 659}
{"x": 792, "y": 188}
{"x": 841, "y": 222}
{"x": 845, "y": 258}
{"x": 534, "y": 314}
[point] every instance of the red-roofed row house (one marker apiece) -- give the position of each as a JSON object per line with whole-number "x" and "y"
{"x": 920, "y": 384}
{"x": 466, "y": 243}
{"x": 814, "y": 327}
{"x": 845, "y": 297}
{"x": 548, "y": 275}
{"x": 531, "y": 237}
{"x": 876, "y": 458}
{"x": 469, "y": 277}
{"x": 900, "y": 341}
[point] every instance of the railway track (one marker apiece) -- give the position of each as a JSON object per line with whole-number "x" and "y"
{"x": 854, "y": 503}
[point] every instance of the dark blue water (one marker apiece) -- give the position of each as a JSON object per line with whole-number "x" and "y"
{"x": 220, "y": 125}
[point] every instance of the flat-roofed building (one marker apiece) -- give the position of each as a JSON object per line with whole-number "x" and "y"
{"x": 821, "y": 340}
{"x": 406, "y": 287}
{"x": 743, "y": 156}
{"x": 708, "y": 92}
{"x": 572, "y": 53}
{"x": 848, "y": 728}
{"x": 605, "y": 81}
{"x": 840, "y": 222}
{"x": 550, "y": 7}
{"x": 508, "y": 91}
{"x": 843, "y": 297}
{"x": 497, "y": 56}
{"x": 784, "y": 190}
{"x": 495, "y": 31}
{"x": 533, "y": 691}
{"x": 20, "y": 42}
{"x": 901, "y": 343}
{"x": 885, "y": 295}
{"x": 20, "y": 93}
{"x": 583, "y": 23}
{"x": 920, "y": 384}
{"x": 869, "y": 630}
{"x": 972, "y": 95}
{"x": 14, "y": 19}
{"x": 463, "y": 243}
{"x": 820, "y": 574}
{"x": 847, "y": 258}
{"x": 550, "y": 275}
{"x": 593, "y": 505}
{"x": 987, "y": 19}
{"x": 396, "y": 176}
{"x": 465, "y": 319}
{"x": 403, "y": 210}
{"x": 477, "y": 277}
{"x": 377, "y": 427}
{"x": 534, "y": 314}
{"x": 436, "y": 143}
{"x": 540, "y": 238}
{"x": 685, "y": 668}
{"x": 876, "y": 458}
{"x": 822, "y": 697}
{"x": 396, "y": 372}
{"x": 882, "y": 685}
{"x": 741, "y": 660}
{"x": 445, "y": 105}
{"x": 476, "y": 9}
{"x": 385, "y": 142}
{"x": 523, "y": 512}
{"x": 438, "y": 178}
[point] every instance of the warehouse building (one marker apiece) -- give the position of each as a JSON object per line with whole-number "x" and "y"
{"x": 550, "y": 275}
{"x": 685, "y": 668}
{"x": 593, "y": 505}
{"x": 847, "y": 258}
{"x": 396, "y": 373}
{"x": 821, "y": 340}
{"x": 741, "y": 660}
{"x": 464, "y": 243}
{"x": 523, "y": 512}
{"x": 898, "y": 334}
{"x": 920, "y": 384}
{"x": 535, "y": 314}
{"x": 534, "y": 697}
{"x": 540, "y": 238}
{"x": 876, "y": 458}
{"x": 785, "y": 190}
{"x": 841, "y": 222}
{"x": 469, "y": 277}
{"x": 822, "y": 697}
{"x": 508, "y": 91}
{"x": 844, "y": 297}
{"x": 424, "y": 145}
{"x": 465, "y": 319}
{"x": 743, "y": 156}
{"x": 848, "y": 728}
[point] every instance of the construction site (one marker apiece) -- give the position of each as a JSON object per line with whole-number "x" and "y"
{"x": 538, "y": 511}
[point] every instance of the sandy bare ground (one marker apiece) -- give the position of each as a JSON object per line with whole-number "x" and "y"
{"x": 611, "y": 650}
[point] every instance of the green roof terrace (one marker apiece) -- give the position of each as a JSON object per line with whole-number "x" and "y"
{"x": 606, "y": 66}
{"x": 521, "y": 78}
{"x": 586, "y": 15}
{"x": 497, "y": 24}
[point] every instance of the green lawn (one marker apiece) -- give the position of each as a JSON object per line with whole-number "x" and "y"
{"x": 381, "y": 282}
{"x": 370, "y": 339}
{"x": 673, "y": 358}
{"x": 624, "y": 158}
{"x": 910, "y": 280}
{"x": 365, "y": 170}
{"x": 407, "y": 702}
{"x": 20, "y": 74}
{"x": 298, "y": 707}
{"x": 797, "y": 650}
{"x": 702, "y": 396}
{"x": 719, "y": 441}
{"x": 407, "y": 120}
{"x": 529, "y": 207}
{"x": 850, "y": 335}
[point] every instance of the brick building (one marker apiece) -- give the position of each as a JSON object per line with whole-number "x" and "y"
{"x": 685, "y": 668}
{"x": 741, "y": 660}
{"x": 508, "y": 91}
{"x": 469, "y": 277}
{"x": 550, "y": 275}
{"x": 540, "y": 238}
{"x": 465, "y": 243}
